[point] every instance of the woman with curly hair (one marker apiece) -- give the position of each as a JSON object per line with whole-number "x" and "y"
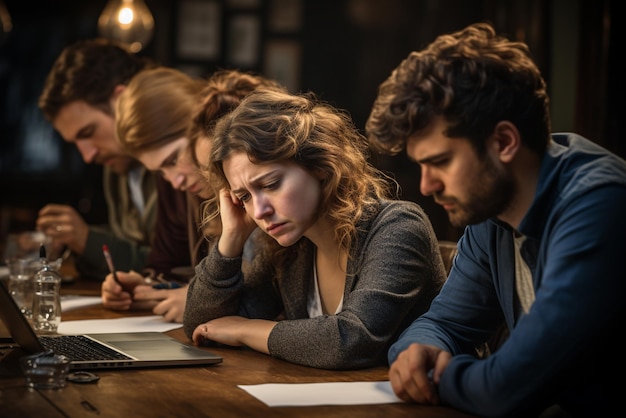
{"x": 342, "y": 267}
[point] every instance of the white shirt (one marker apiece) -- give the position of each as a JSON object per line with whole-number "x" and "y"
{"x": 314, "y": 303}
{"x": 135, "y": 175}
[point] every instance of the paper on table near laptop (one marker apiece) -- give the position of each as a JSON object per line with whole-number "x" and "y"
{"x": 334, "y": 393}
{"x": 127, "y": 324}
{"x": 147, "y": 323}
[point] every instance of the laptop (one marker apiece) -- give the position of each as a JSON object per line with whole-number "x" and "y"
{"x": 118, "y": 350}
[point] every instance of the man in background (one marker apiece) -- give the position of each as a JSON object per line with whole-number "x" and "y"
{"x": 78, "y": 100}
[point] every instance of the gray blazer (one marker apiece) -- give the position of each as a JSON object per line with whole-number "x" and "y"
{"x": 394, "y": 272}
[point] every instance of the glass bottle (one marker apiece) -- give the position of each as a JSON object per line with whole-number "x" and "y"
{"x": 47, "y": 297}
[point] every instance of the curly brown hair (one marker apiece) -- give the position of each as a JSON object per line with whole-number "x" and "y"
{"x": 89, "y": 70}
{"x": 276, "y": 126}
{"x": 474, "y": 79}
{"x": 223, "y": 92}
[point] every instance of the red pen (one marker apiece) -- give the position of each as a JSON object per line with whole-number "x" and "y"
{"x": 107, "y": 257}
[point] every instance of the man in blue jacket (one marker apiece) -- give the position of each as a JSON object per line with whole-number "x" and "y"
{"x": 543, "y": 248}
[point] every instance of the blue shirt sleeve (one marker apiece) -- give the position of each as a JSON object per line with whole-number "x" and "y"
{"x": 551, "y": 354}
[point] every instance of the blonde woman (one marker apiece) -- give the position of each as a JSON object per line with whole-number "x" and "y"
{"x": 159, "y": 115}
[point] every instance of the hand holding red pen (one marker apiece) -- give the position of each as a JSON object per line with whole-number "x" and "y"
{"x": 119, "y": 294}
{"x": 115, "y": 293}
{"x": 168, "y": 302}
{"x": 124, "y": 291}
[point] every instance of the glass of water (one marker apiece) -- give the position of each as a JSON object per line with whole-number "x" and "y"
{"x": 21, "y": 284}
{"x": 46, "y": 301}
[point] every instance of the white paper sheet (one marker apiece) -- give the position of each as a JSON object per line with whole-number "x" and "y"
{"x": 69, "y": 302}
{"x": 126, "y": 324}
{"x": 334, "y": 393}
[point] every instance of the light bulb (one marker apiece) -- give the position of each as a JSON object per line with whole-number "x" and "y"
{"x": 127, "y": 21}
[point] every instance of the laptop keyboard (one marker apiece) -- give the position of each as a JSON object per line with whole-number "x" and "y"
{"x": 81, "y": 348}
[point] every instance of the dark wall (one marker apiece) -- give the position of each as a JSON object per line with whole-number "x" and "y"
{"x": 352, "y": 46}
{"x": 36, "y": 166}
{"x": 346, "y": 48}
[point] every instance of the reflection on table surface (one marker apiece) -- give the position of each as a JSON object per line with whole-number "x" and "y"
{"x": 189, "y": 391}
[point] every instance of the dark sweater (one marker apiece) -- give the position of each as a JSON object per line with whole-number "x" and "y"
{"x": 394, "y": 272}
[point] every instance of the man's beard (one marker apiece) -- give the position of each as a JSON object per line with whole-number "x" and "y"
{"x": 488, "y": 196}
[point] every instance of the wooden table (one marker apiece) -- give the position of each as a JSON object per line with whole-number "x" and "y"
{"x": 191, "y": 391}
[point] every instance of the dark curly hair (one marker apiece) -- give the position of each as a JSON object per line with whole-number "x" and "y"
{"x": 473, "y": 79}
{"x": 89, "y": 70}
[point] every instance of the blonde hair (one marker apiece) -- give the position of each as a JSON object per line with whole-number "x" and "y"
{"x": 156, "y": 108}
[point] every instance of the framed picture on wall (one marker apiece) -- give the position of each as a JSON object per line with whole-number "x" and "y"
{"x": 199, "y": 30}
{"x": 282, "y": 63}
{"x": 243, "y": 40}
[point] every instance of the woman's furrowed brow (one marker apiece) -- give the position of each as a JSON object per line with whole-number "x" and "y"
{"x": 254, "y": 181}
